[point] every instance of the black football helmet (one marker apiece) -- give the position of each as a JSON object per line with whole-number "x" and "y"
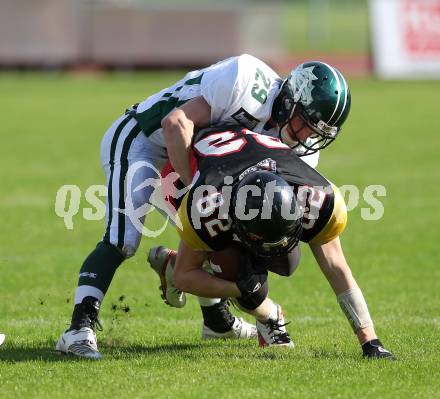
{"x": 265, "y": 215}
{"x": 320, "y": 95}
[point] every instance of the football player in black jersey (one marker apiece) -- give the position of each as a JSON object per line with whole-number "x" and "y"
{"x": 224, "y": 158}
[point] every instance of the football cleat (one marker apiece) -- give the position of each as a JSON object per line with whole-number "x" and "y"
{"x": 2, "y": 338}
{"x": 375, "y": 350}
{"x": 239, "y": 330}
{"x": 81, "y": 343}
{"x": 162, "y": 260}
{"x": 273, "y": 332}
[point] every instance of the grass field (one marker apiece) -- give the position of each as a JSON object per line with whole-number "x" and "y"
{"x": 50, "y": 133}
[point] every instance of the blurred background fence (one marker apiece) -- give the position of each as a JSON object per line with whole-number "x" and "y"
{"x": 146, "y": 33}
{"x": 126, "y": 33}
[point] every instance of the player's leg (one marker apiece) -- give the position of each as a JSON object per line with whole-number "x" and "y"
{"x": 2, "y": 338}
{"x": 219, "y": 322}
{"x": 270, "y": 319}
{"x": 269, "y": 316}
{"x": 120, "y": 148}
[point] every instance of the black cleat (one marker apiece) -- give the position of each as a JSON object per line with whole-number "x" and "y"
{"x": 375, "y": 350}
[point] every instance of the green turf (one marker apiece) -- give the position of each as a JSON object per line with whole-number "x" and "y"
{"x": 50, "y": 133}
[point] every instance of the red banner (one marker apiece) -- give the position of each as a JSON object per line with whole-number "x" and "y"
{"x": 420, "y": 22}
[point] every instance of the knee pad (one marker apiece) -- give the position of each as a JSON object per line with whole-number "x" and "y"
{"x": 128, "y": 249}
{"x": 252, "y": 301}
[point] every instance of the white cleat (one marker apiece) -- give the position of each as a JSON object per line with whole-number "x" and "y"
{"x": 273, "y": 332}
{"x": 162, "y": 260}
{"x": 2, "y": 338}
{"x": 81, "y": 343}
{"x": 240, "y": 330}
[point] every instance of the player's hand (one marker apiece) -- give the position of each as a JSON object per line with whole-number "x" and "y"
{"x": 375, "y": 350}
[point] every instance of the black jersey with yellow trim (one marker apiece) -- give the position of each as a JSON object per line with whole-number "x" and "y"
{"x": 224, "y": 156}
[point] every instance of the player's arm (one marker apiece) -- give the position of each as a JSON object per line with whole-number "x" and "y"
{"x": 333, "y": 264}
{"x": 190, "y": 277}
{"x": 250, "y": 285}
{"x": 178, "y": 130}
{"x": 331, "y": 260}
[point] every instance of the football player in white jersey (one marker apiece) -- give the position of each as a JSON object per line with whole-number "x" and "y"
{"x": 306, "y": 110}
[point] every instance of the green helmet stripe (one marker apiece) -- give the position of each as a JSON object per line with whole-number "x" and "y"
{"x": 339, "y": 90}
{"x": 345, "y": 97}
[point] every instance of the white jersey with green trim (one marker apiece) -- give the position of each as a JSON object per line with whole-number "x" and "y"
{"x": 239, "y": 90}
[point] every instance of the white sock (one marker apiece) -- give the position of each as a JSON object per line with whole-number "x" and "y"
{"x": 208, "y": 301}
{"x": 273, "y": 311}
{"x": 87, "y": 290}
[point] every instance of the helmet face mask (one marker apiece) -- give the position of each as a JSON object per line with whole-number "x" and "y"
{"x": 266, "y": 235}
{"x": 319, "y": 95}
{"x": 322, "y": 134}
{"x": 268, "y": 249}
